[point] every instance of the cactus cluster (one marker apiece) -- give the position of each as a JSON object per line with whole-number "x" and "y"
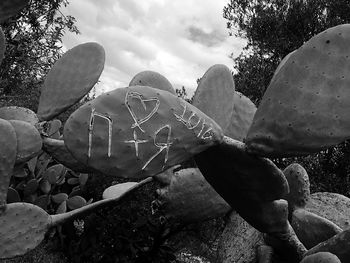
{"x": 142, "y": 130}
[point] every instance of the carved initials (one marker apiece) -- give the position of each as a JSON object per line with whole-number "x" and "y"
{"x": 91, "y": 128}
{"x": 161, "y": 146}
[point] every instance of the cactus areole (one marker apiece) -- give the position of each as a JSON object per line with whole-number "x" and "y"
{"x": 138, "y": 131}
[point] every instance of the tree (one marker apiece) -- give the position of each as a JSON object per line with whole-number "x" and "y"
{"x": 274, "y": 28}
{"x": 34, "y": 43}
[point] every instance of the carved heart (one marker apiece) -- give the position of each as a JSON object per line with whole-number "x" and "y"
{"x": 138, "y": 120}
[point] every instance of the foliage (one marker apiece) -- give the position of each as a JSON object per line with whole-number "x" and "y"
{"x": 126, "y": 232}
{"x": 33, "y": 45}
{"x": 49, "y": 185}
{"x": 182, "y": 93}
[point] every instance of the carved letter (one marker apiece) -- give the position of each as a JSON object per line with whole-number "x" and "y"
{"x": 161, "y": 146}
{"x": 91, "y": 128}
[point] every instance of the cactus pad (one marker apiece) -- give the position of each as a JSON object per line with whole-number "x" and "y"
{"x": 117, "y": 190}
{"x": 2, "y": 45}
{"x": 312, "y": 229}
{"x": 242, "y": 117}
{"x": 10, "y": 8}
{"x": 337, "y": 245}
{"x": 267, "y": 217}
{"x": 321, "y": 257}
{"x": 8, "y": 150}
{"x": 305, "y": 108}
{"x": 215, "y": 93}
{"x": 299, "y": 186}
{"x": 249, "y": 184}
{"x": 187, "y": 197}
{"x": 237, "y": 175}
{"x": 23, "y": 227}
{"x": 29, "y": 141}
{"x": 138, "y": 132}
{"x": 152, "y": 79}
{"x": 73, "y": 75}
{"x": 18, "y": 113}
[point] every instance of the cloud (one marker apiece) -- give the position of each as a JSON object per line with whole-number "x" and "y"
{"x": 179, "y": 39}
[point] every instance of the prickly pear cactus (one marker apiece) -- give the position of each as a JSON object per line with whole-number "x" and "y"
{"x": 10, "y": 8}
{"x": 321, "y": 257}
{"x": 138, "y": 131}
{"x": 8, "y": 152}
{"x": 242, "y": 117}
{"x": 18, "y": 113}
{"x": 312, "y": 229}
{"x": 236, "y": 175}
{"x": 152, "y": 79}
{"x": 215, "y": 93}
{"x": 299, "y": 186}
{"x": 305, "y": 108}
{"x": 23, "y": 227}
{"x": 117, "y": 190}
{"x": 59, "y": 152}
{"x": 29, "y": 142}
{"x": 73, "y": 75}
{"x": 337, "y": 245}
{"x": 186, "y": 197}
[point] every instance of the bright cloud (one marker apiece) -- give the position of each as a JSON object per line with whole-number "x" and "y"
{"x": 179, "y": 39}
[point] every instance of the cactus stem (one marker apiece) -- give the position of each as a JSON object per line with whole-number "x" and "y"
{"x": 62, "y": 218}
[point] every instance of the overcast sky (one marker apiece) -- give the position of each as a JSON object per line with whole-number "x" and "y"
{"x": 180, "y": 39}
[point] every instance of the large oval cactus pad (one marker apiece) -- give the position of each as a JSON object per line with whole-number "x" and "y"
{"x": 29, "y": 141}
{"x": 306, "y": 106}
{"x": 23, "y": 227}
{"x": 237, "y": 175}
{"x": 152, "y": 79}
{"x": 8, "y": 150}
{"x": 214, "y": 95}
{"x": 70, "y": 79}
{"x": 10, "y": 8}
{"x": 138, "y": 131}
{"x": 18, "y": 113}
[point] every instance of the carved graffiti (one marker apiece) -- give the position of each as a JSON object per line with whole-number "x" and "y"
{"x": 193, "y": 121}
{"x": 93, "y": 115}
{"x": 161, "y": 146}
{"x": 136, "y": 143}
{"x": 138, "y": 121}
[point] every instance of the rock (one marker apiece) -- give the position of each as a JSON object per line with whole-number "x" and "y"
{"x": 239, "y": 241}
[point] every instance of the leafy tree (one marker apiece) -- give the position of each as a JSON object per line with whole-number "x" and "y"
{"x": 274, "y": 28}
{"x": 34, "y": 43}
